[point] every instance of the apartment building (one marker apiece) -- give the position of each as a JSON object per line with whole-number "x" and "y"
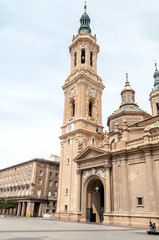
{"x": 34, "y": 184}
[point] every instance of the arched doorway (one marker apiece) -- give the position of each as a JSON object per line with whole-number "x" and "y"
{"x": 95, "y": 200}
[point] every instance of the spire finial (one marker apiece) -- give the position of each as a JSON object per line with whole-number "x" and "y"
{"x": 127, "y": 81}
{"x": 85, "y": 6}
{"x": 156, "y": 66}
{"x": 127, "y": 77}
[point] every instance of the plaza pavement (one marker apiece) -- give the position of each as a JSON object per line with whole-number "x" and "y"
{"x": 18, "y": 228}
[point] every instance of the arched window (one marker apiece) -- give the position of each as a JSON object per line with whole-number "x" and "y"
{"x": 157, "y": 105}
{"x": 90, "y": 109}
{"x": 73, "y": 108}
{"x": 129, "y": 99}
{"x": 75, "y": 59}
{"x": 83, "y": 56}
{"x": 91, "y": 59}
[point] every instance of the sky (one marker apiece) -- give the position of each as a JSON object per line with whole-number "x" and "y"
{"x": 34, "y": 62}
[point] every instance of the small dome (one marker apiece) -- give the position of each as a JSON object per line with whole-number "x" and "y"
{"x": 156, "y": 74}
{"x": 127, "y": 85}
{"x": 85, "y": 16}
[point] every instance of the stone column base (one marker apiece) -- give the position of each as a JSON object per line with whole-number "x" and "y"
{"x": 68, "y": 216}
{"x": 127, "y": 219}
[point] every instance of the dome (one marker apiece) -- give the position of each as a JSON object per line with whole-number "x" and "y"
{"x": 85, "y": 16}
{"x": 132, "y": 109}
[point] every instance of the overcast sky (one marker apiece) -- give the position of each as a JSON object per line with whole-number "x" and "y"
{"x": 34, "y": 62}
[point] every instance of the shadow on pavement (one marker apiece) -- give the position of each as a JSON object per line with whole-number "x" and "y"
{"x": 28, "y": 238}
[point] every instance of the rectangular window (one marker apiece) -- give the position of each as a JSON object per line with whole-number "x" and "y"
{"x": 57, "y": 175}
{"x": 41, "y": 173}
{"x": 48, "y": 204}
{"x": 40, "y": 182}
{"x": 129, "y": 99}
{"x": 29, "y": 173}
{"x": 65, "y": 207}
{"x": 55, "y": 194}
{"x": 41, "y": 165}
{"x": 51, "y": 174}
{"x": 66, "y": 191}
{"x": 124, "y": 99}
{"x": 50, "y": 183}
{"x": 56, "y": 184}
{"x": 27, "y": 192}
{"x": 38, "y": 193}
{"x": 47, "y": 210}
{"x": 49, "y": 193}
{"x": 140, "y": 201}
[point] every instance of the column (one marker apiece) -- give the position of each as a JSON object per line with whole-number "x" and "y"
{"x": 4, "y": 212}
{"x": 19, "y": 208}
{"x": 23, "y": 209}
{"x": 40, "y": 210}
{"x": 107, "y": 195}
{"x": 150, "y": 181}
{"x": 11, "y": 211}
{"x": 30, "y": 208}
{"x": 125, "y": 194}
{"x": 78, "y": 190}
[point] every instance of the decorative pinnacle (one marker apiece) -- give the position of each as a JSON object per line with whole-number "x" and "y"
{"x": 156, "y": 66}
{"x": 127, "y": 81}
{"x": 85, "y": 6}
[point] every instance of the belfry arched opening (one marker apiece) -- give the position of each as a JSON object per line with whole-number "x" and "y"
{"x": 95, "y": 201}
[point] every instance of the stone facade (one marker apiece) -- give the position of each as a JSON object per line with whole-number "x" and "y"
{"x": 34, "y": 184}
{"x": 109, "y": 177}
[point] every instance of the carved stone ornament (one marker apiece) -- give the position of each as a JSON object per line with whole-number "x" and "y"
{"x": 91, "y": 92}
{"x": 100, "y": 172}
{"x": 72, "y": 93}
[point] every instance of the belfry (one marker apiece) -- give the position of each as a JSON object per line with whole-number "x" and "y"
{"x": 107, "y": 177}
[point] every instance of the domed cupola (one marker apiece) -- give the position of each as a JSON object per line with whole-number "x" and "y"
{"x": 156, "y": 77}
{"x": 127, "y": 95}
{"x": 85, "y": 22}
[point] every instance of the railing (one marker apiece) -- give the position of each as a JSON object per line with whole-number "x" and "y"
{"x": 135, "y": 142}
{"x": 154, "y": 137}
{"x": 25, "y": 197}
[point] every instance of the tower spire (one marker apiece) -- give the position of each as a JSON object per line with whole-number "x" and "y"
{"x": 127, "y": 81}
{"x": 156, "y": 66}
{"x": 85, "y": 6}
{"x": 85, "y": 22}
{"x": 156, "y": 77}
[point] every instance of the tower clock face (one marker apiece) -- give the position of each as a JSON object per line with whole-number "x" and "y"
{"x": 69, "y": 127}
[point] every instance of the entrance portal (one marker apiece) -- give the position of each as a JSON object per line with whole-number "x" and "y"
{"x": 95, "y": 201}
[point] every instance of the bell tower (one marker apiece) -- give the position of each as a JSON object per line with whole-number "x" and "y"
{"x": 154, "y": 95}
{"x": 82, "y": 119}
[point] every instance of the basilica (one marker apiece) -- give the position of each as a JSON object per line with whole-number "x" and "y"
{"x": 109, "y": 177}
